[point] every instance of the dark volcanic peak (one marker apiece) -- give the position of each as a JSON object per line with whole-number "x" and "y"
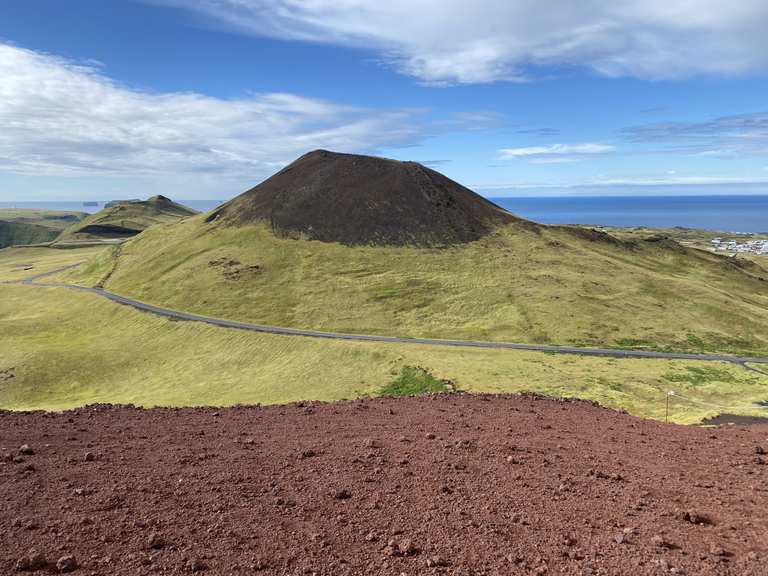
{"x": 355, "y": 199}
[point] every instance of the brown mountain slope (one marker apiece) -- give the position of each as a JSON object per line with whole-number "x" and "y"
{"x": 363, "y": 200}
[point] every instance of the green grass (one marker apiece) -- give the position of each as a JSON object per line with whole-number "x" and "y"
{"x": 56, "y": 219}
{"x": 21, "y": 233}
{"x": 30, "y": 226}
{"x": 414, "y": 380}
{"x": 126, "y": 219}
{"x": 699, "y": 376}
{"x": 19, "y": 263}
{"x": 66, "y": 349}
{"x": 550, "y": 285}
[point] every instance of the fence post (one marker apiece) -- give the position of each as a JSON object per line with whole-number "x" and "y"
{"x": 666, "y": 417}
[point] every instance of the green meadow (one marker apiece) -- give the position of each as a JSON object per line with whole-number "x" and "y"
{"x": 60, "y": 348}
{"x": 523, "y": 283}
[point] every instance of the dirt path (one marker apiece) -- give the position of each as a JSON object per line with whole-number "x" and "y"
{"x": 453, "y": 484}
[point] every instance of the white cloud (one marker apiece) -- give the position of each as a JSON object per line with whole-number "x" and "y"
{"x": 555, "y": 153}
{"x": 62, "y": 118}
{"x": 455, "y": 41}
{"x": 688, "y": 180}
{"x": 668, "y": 185}
{"x": 725, "y": 137}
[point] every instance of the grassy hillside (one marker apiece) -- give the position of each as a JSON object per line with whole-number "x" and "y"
{"x": 19, "y": 233}
{"x": 691, "y": 237}
{"x": 126, "y": 219}
{"x": 20, "y": 263}
{"x": 60, "y": 348}
{"x": 523, "y": 283}
{"x": 31, "y": 226}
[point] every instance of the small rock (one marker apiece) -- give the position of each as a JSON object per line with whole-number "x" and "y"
{"x": 67, "y": 564}
{"x": 391, "y": 548}
{"x": 402, "y": 548}
{"x": 406, "y": 548}
{"x": 718, "y": 551}
{"x": 32, "y": 561}
{"x": 759, "y": 450}
{"x": 196, "y": 565}
{"x": 26, "y": 450}
{"x": 155, "y": 541}
{"x": 430, "y": 436}
{"x": 90, "y": 456}
{"x": 343, "y": 495}
{"x": 308, "y": 454}
{"x": 694, "y": 517}
{"x": 436, "y": 562}
{"x": 659, "y": 541}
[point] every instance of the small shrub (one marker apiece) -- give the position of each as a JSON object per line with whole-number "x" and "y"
{"x": 414, "y": 380}
{"x": 695, "y": 341}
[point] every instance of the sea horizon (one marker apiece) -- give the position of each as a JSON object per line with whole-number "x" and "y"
{"x": 724, "y": 213}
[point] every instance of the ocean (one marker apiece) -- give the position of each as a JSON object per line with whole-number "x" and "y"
{"x": 722, "y": 213}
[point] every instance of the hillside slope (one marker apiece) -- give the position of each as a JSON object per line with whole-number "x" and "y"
{"x": 543, "y": 285}
{"x": 48, "y": 336}
{"x": 20, "y": 233}
{"x": 32, "y": 226}
{"x": 364, "y": 200}
{"x": 126, "y": 219}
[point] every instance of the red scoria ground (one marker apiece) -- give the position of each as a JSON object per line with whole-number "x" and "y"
{"x": 445, "y": 484}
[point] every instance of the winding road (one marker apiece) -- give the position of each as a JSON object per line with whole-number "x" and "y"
{"x": 574, "y": 350}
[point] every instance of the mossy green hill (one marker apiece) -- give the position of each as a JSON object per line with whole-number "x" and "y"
{"x": 32, "y": 226}
{"x": 126, "y": 219}
{"x": 518, "y": 281}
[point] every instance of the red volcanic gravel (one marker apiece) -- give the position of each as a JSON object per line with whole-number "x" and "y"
{"x": 446, "y": 484}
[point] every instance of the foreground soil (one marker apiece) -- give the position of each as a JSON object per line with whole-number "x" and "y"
{"x": 446, "y": 484}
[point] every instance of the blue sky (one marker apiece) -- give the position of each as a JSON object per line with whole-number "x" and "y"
{"x": 205, "y": 98}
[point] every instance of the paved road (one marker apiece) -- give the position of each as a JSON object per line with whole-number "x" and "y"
{"x": 605, "y": 352}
